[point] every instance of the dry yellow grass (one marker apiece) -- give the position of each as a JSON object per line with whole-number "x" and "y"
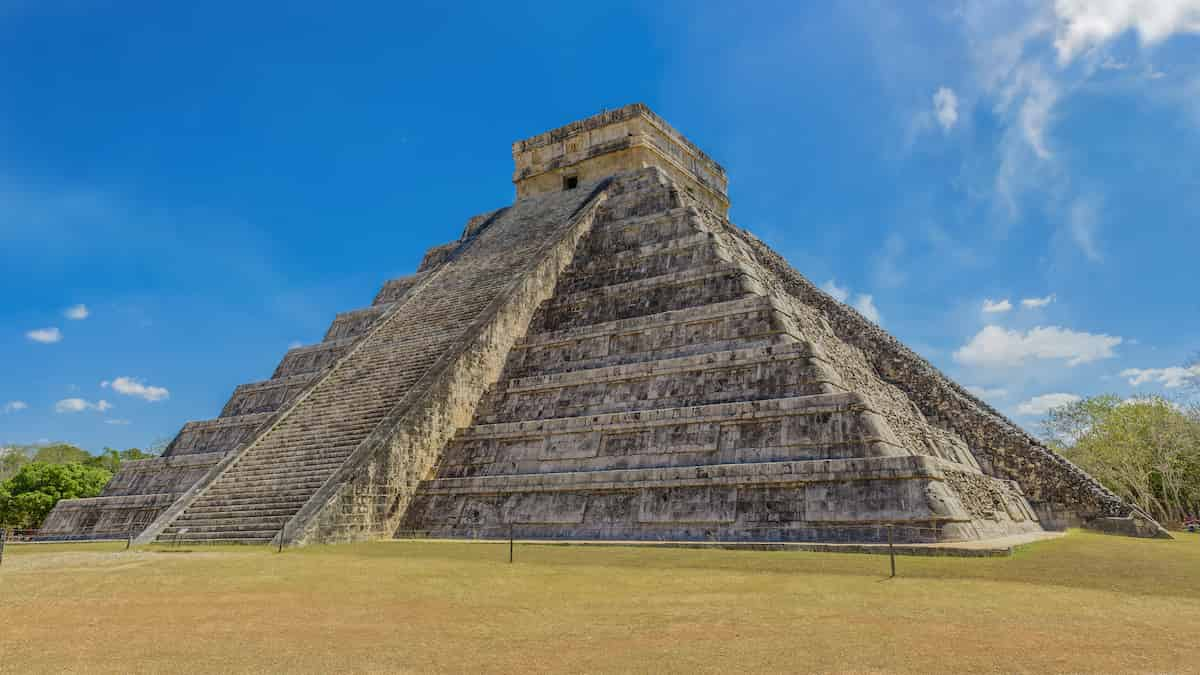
{"x": 1081, "y": 603}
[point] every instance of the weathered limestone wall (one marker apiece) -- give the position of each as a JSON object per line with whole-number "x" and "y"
{"x": 160, "y": 475}
{"x": 104, "y": 517}
{"x": 665, "y": 392}
{"x": 369, "y": 495}
{"x": 132, "y": 499}
{"x": 612, "y": 142}
{"x": 1062, "y": 494}
{"x": 834, "y": 500}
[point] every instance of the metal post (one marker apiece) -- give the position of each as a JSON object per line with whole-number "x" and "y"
{"x": 281, "y": 537}
{"x": 510, "y": 544}
{"x": 3, "y": 536}
{"x": 128, "y": 540}
{"x": 891, "y": 548}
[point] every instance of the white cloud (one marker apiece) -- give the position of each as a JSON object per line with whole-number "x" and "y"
{"x": 865, "y": 304}
{"x": 131, "y": 387}
{"x": 996, "y": 347}
{"x": 945, "y": 107}
{"x": 1028, "y": 57}
{"x": 295, "y": 344}
{"x": 1040, "y": 405}
{"x": 74, "y": 405}
{"x": 840, "y": 294}
{"x": 14, "y": 406}
{"x": 995, "y": 307}
{"x": 77, "y": 312}
{"x": 45, "y": 336}
{"x": 1083, "y": 222}
{"x": 1171, "y": 378}
{"x": 1034, "y": 303}
{"x": 985, "y": 393}
{"x": 116, "y": 421}
{"x": 1087, "y": 24}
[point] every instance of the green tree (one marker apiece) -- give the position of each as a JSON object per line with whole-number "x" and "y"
{"x": 61, "y": 453}
{"x": 133, "y": 454}
{"x": 12, "y": 459}
{"x": 1147, "y": 450}
{"x": 28, "y": 496}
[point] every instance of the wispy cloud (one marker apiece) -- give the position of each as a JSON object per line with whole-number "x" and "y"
{"x": 75, "y": 405}
{"x": 45, "y": 336}
{"x": 1084, "y": 25}
{"x": 14, "y": 406}
{"x": 117, "y": 422}
{"x": 1026, "y": 60}
{"x": 1172, "y": 377}
{"x": 77, "y": 312}
{"x": 132, "y": 387}
{"x": 1083, "y": 222}
{"x": 863, "y": 302}
{"x": 1040, "y": 405}
{"x": 996, "y": 306}
{"x": 996, "y": 347}
{"x": 945, "y": 107}
{"x": 986, "y": 393}
{"x": 1034, "y": 303}
{"x": 840, "y": 294}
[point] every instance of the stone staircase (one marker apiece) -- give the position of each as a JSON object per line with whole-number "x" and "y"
{"x": 371, "y": 360}
{"x": 252, "y": 500}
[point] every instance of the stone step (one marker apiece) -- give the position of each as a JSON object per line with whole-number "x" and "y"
{"x": 228, "y": 494}
{"x": 615, "y": 234}
{"x": 282, "y": 480}
{"x": 245, "y": 509}
{"x": 266, "y": 396}
{"x": 251, "y": 525}
{"x": 708, "y": 312}
{"x": 719, "y": 412}
{"x": 256, "y": 501}
{"x": 319, "y": 452}
{"x": 781, "y": 371}
{"x": 785, "y": 351}
{"x": 396, "y": 290}
{"x": 355, "y": 322}
{"x": 648, "y": 261}
{"x": 249, "y": 470}
{"x": 233, "y": 537}
{"x": 684, "y": 290}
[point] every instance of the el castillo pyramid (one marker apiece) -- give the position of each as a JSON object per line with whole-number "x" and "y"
{"x": 607, "y": 358}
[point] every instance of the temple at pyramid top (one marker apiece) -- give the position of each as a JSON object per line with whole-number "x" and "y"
{"x": 628, "y": 138}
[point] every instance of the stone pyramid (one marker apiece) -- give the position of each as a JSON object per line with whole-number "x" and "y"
{"x": 607, "y": 358}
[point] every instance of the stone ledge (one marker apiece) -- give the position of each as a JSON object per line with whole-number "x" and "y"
{"x": 714, "y": 311}
{"x": 764, "y": 473}
{"x": 661, "y": 367}
{"x": 1000, "y": 547}
{"x": 716, "y": 412}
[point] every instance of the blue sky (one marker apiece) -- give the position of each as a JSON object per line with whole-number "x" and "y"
{"x": 212, "y": 183}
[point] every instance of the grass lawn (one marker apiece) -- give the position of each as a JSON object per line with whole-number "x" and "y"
{"x": 1085, "y": 602}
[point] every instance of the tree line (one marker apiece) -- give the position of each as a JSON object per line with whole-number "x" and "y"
{"x": 1146, "y": 450}
{"x": 33, "y": 478}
